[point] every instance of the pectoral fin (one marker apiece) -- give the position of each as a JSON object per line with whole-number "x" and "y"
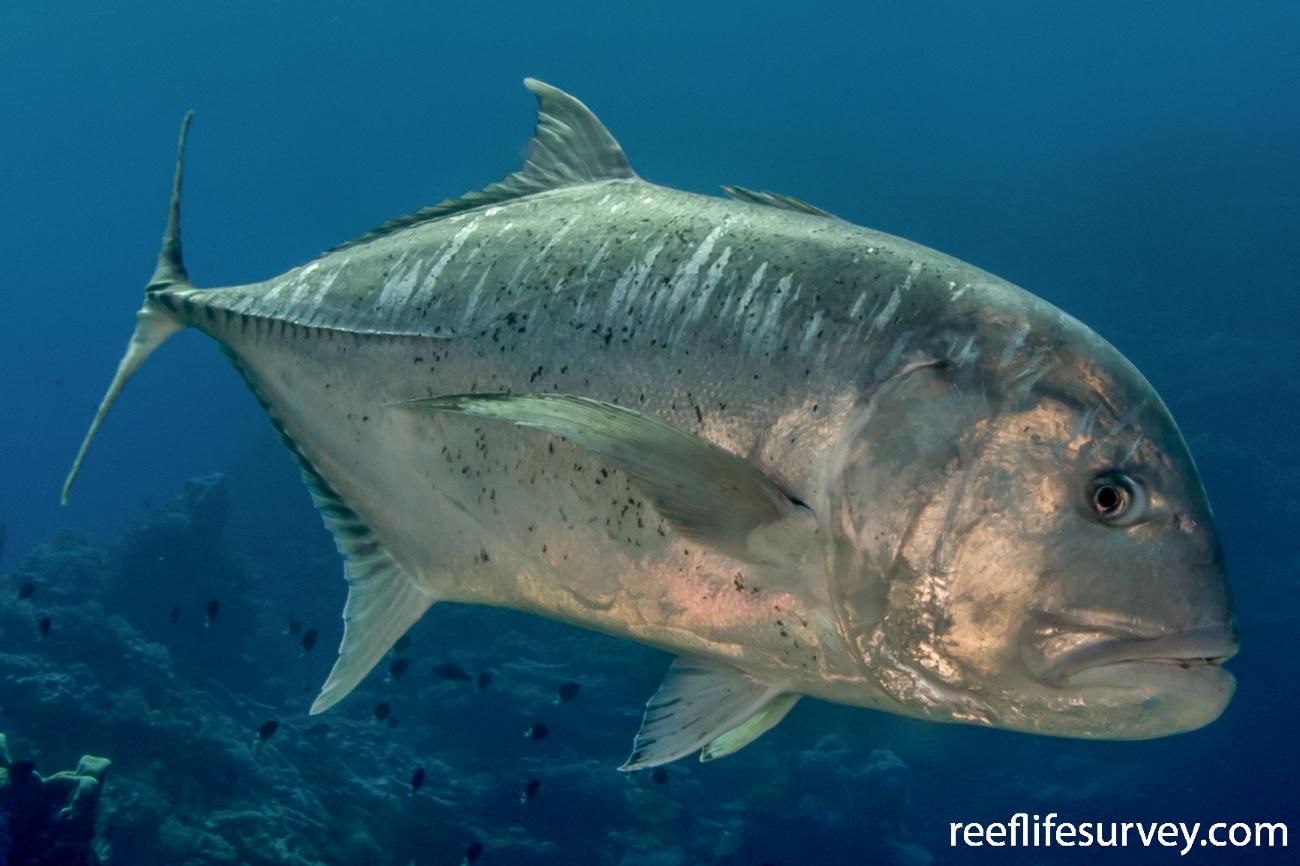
{"x": 751, "y": 729}
{"x": 706, "y": 493}
{"x": 705, "y": 704}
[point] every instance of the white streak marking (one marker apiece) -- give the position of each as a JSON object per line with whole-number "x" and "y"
{"x": 858, "y": 305}
{"x": 596, "y": 260}
{"x": 890, "y": 360}
{"x": 810, "y": 332}
{"x": 967, "y": 353}
{"x": 891, "y": 306}
{"x": 1128, "y": 455}
{"x": 1017, "y": 340}
{"x": 754, "y": 282}
{"x": 469, "y": 260}
{"x": 557, "y": 237}
{"x": 322, "y": 289}
{"x": 474, "y": 296}
{"x": 431, "y": 279}
{"x": 711, "y": 280}
{"x": 687, "y": 275}
{"x": 392, "y": 285}
{"x": 629, "y": 284}
{"x": 775, "y": 304}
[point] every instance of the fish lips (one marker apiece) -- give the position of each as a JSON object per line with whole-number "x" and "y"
{"x": 1055, "y": 649}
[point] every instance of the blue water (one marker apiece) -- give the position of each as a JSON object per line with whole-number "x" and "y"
{"x": 1136, "y": 164}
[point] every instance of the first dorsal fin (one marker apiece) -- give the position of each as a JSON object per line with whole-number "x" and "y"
{"x": 570, "y": 146}
{"x": 775, "y": 199}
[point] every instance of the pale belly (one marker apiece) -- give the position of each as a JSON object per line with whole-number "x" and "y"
{"x": 484, "y": 512}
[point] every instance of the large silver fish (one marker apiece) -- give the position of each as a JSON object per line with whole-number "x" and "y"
{"x": 807, "y": 458}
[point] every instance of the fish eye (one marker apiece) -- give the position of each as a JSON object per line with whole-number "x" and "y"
{"x": 1117, "y": 499}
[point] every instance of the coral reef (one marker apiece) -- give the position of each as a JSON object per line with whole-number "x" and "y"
{"x": 50, "y": 821}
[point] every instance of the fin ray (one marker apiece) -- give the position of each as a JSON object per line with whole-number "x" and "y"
{"x": 570, "y": 146}
{"x": 776, "y": 200}
{"x": 751, "y": 729}
{"x": 383, "y": 602}
{"x": 699, "y": 701}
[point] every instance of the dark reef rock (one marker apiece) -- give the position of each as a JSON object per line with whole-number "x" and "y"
{"x": 50, "y": 821}
{"x": 171, "y": 566}
{"x": 206, "y": 502}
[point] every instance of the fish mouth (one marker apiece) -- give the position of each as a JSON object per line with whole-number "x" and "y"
{"x": 1056, "y": 648}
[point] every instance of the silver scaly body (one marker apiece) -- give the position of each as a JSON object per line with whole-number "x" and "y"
{"x": 767, "y": 353}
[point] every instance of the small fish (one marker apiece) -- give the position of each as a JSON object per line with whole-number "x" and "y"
{"x": 176, "y": 614}
{"x": 484, "y": 680}
{"x": 659, "y": 776}
{"x": 472, "y": 852}
{"x": 45, "y": 625}
{"x": 402, "y": 643}
{"x": 308, "y": 640}
{"x": 398, "y": 667}
{"x": 27, "y": 590}
{"x": 214, "y": 607}
{"x": 268, "y": 729}
{"x": 417, "y": 779}
{"x": 382, "y": 709}
{"x": 537, "y": 732}
{"x": 451, "y": 672}
{"x": 568, "y": 691}
{"x": 530, "y": 790}
{"x": 294, "y": 627}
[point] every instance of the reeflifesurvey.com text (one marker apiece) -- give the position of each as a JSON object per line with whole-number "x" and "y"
{"x": 1025, "y": 830}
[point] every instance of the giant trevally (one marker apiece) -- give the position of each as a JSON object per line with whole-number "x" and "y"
{"x": 805, "y": 457}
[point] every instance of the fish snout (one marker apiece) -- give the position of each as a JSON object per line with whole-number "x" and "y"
{"x": 1056, "y": 647}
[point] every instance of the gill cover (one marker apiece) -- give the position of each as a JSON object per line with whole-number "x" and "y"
{"x": 897, "y": 474}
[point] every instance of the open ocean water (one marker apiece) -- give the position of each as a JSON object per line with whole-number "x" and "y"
{"x": 1136, "y": 164}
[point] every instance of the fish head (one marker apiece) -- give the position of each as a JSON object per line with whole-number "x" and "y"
{"x": 1023, "y": 541}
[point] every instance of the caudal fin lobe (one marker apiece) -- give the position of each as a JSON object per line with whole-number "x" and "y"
{"x": 154, "y": 323}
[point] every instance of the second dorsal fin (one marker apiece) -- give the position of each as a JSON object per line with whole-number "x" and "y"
{"x": 773, "y": 199}
{"x": 570, "y": 146}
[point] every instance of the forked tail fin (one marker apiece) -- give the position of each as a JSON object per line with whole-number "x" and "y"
{"x": 154, "y": 323}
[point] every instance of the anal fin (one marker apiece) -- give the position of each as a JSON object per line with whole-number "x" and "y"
{"x": 383, "y": 601}
{"x": 704, "y": 703}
